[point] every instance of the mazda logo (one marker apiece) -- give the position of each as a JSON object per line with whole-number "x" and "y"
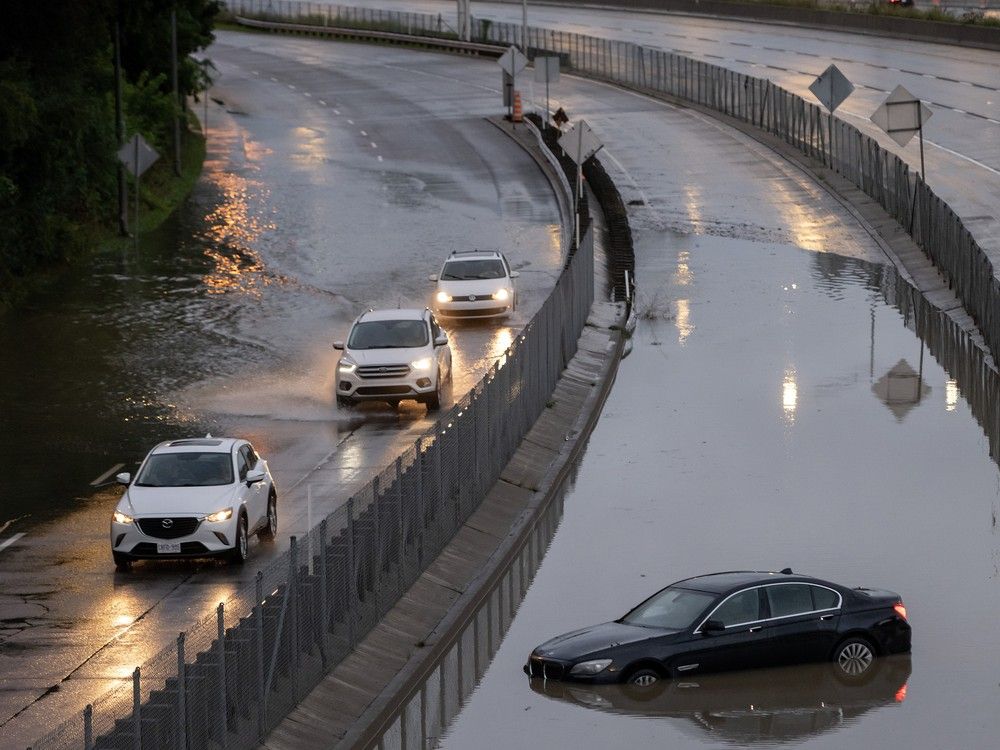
{"x": 167, "y": 522}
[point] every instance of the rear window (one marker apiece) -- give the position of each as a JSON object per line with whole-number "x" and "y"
{"x": 388, "y": 334}
{"x": 464, "y": 270}
{"x": 824, "y": 598}
{"x": 186, "y": 470}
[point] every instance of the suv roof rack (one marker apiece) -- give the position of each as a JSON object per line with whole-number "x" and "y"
{"x": 468, "y": 252}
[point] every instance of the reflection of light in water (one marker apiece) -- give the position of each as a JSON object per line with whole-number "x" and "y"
{"x": 901, "y": 694}
{"x": 501, "y": 341}
{"x": 808, "y": 230}
{"x": 555, "y": 241}
{"x": 683, "y": 275}
{"x": 789, "y": 395}
{"x": 692, "y": 202}
{"x": 950, "y": 395}
{"x": 790, "y": 287}
{"x": 122, "y": 621}
{"x": 682, "y": 320}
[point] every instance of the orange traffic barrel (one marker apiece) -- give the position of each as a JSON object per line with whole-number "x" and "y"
{"x": 518, "y": 114}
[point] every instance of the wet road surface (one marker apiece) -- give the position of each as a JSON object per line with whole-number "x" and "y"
{"x": 774, "y": 412}
{"x": 959, "y": 84}
{"x": 338, "y": 178}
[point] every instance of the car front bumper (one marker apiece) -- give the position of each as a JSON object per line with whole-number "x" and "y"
{"x": 481, "y": 308}
{"x": 357, "y": 388}
{"x": 206, "y": 540}
{"x": 551, "y": 669}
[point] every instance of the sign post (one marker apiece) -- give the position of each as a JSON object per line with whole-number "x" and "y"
{"x": 547, "y": 71}
{"x": 831, "y": 88}
{"x": 580, "y": 143}
{"x": 512, "y": 62}
{"x": 137, "y": 156}
{"x": 900, "y": 116}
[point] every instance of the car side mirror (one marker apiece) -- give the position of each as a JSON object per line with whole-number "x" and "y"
{"x": 514, "y": 274}
{"x": 254, "y": 476}
{"x": 713, "y": 626}
{"x": 338, "y": 345}
{"x": 441, "y": 340}
{"x": 432, "y": 277}
{"x": 123, "y": 478}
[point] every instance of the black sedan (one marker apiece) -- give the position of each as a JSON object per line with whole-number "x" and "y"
{"x": 732, "y": 620}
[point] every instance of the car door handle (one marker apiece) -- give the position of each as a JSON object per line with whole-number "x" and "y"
{"x": 826, "y": 617}
{"x": 754, "y": 630}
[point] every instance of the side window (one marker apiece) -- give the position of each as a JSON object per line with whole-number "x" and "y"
{"x": 506, "y": 265}
{"x": 435, "y": 329}
{"x": 241, "y": 463}
{"x": 789, "y": 599}
{"x": 252, "y": 458}
{"x": 824, "y": 598}
{"x": 739, "y": 608}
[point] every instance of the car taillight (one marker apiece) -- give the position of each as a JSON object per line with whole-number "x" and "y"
{"x": 900, "y": 610}
{"x": 901, "y": 694}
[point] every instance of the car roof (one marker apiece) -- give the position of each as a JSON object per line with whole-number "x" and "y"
{"x": 719, "y": 583}
{"x": 196, "y": 445}
{"x": 474, "y": 254}
{"x": 401, "y": 314}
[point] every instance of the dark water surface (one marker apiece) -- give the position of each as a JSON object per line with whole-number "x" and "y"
{"x": 773, "y": 413}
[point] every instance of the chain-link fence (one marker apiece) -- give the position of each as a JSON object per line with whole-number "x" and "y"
{"x": 229, "y": 680}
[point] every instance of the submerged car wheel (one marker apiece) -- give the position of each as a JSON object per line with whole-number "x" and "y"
{"x": 123, "y": 563}
{"x": 643, "y": 677}
{"x": 854, "y": 657}
{"x": 433, "y": 400}
{"x": 270, "y": 530}
{"x": 238, "y": 555}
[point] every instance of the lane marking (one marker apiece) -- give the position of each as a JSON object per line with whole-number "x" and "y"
{"x": 4, "y": 545}
{"x": 380, "y": 157}
{"x": 321, "y": 102}
{"x": 274, "y": 79}
{"x": 336, "y": 111}
{"x": 362, "y": 132}
{"x": 350, "y": 122}
{"x": 373, "y": 144}
{"x": 307, "y": 93}
{"x": 101, "y": 479}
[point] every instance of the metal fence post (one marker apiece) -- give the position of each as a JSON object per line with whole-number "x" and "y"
{"x": 136, "y": 711}
{"x": 421, "y": 522}
{"x": 398, "y": 495}
{"x": 258, "y": 614}
{"x": 88, "y": 727}
{"x": 181, "y": 695}
{"x": 324, "y": 600}
{"x": 352, "y": 577}
{"x": 220, "y": 644}
{"x": 293, "y": 609}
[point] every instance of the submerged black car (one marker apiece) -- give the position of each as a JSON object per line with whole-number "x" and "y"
{"x": 732, "y": 620}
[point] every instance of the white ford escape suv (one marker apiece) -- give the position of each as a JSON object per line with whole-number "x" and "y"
{"x": 475, "y": 284}
{"x": 392, "y": 355}
{"x": 197, "y": 497}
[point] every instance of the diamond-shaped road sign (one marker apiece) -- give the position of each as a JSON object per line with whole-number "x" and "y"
{"x": 512, "y": 61}
{"x": 901, "y": 115}
{"x": 580, "y": 142}
{"x": 137, "y": 146}
{"x": 831, "y": 88}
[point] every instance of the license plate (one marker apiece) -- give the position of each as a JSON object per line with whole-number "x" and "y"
{"x": 168, "y": 548}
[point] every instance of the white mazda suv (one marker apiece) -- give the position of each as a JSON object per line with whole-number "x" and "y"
{"x": 475, "y": 284}
{"x": 392, "y": 355}
{"x": 197, "y": 497}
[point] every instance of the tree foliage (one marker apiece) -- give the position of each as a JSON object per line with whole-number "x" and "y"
{"x": 58, "y": 164}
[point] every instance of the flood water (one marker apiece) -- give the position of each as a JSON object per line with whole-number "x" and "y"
{"x": 773, "y": 413}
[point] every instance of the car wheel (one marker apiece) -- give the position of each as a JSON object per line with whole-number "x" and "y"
{"x": 433, "y": 400}
{"x": 854, "y": 657}
{"x": 643, "y": 677}
{"x": 344, "y": 402}
{"x": 270, "y": 530}
{"x": 238, "y": 555}
{"x": 123, "y": 563}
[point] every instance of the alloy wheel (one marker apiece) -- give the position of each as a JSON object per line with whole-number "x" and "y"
{"x": 855, "y": 658}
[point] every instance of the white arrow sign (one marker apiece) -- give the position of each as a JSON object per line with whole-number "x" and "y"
{"x": 580, "y": 142}
{"x": 512, "y": 61}
{"x": 901, "y": 115}
{"x": 831, "y": 88}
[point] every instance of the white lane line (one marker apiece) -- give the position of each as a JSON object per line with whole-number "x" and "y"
{"x": 274, "y": 79}
{"x": 5, "y": 544}
{"x": 350, "y": 122}
{"x": 101, "y": 479}
{"x": 307, "y": 93}
{"x": 255, "y": 72}
{"x": 373, "y": 144}
{"x": 291, "y": 86}
{"x": 321, "y": 102}
{"x": 336, "y": 111}
{"x": 362, "y": 132}
{"x": 995, "y": 122}
{"x": 380, "y": 157}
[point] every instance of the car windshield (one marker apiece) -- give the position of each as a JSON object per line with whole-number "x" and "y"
{"x": 463, "y": 270}
{"x": 186, "y": 470}
{"x": 671, "y": 609}
{"x": 388, "y": 334}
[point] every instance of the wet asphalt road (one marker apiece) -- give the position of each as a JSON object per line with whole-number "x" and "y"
{"x": 338, "y": 178}
{"x": 960, "y": 85}
{"x": 767, "y": 417}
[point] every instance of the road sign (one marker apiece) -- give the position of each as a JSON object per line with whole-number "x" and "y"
{"x": 547, "y": 70}
{"x": 831, "y": 88}
{"x": 137, "y": 155}
{"x": 901, "y": 115}
{"x": 580, "y": 142}
{"x": 512, "y": 61}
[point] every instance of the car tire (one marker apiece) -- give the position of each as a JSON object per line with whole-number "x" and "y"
{"x": 238, "y": 554}
{"x": 854, "y": 658}
{"x": 123, "y": 563}
{"x": 643, "y": 677}
{"x": 270, "y": 530}
{"x": 433, "y": 400}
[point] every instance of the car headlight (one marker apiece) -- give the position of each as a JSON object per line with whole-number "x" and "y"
{"x": 422, "y": 364}
{"x": 346, "y": 365}
{"x": 443, "y": 297}
{"x": 590, "y": 667}
{"x": 122, "y": 517}
{"x": 501, "y": 295}
{"x": 220, "y": 515}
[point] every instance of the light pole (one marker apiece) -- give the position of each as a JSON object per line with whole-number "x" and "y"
{"x": 524, "y": 26}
